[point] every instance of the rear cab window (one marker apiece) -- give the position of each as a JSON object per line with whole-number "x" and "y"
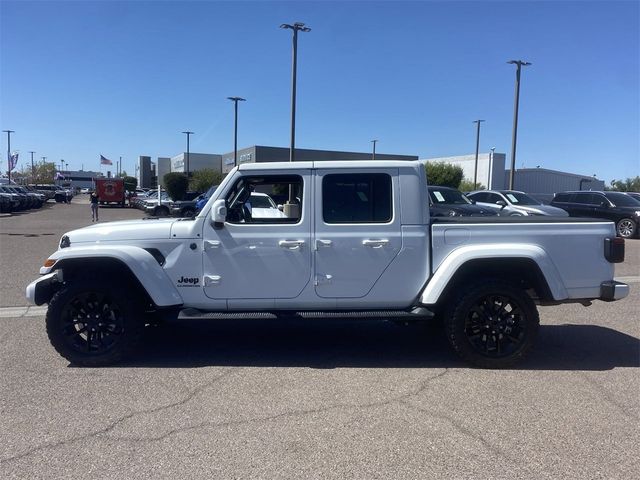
{"x": 357, "y": 198}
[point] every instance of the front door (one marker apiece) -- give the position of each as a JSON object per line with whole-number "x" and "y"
{"x": 357, "y": 232}
{"x": 263, "y": 250}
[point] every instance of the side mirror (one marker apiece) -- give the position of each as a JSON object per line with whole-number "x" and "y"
{"x": 502, "y": 203}
{"x": 280, "y": 207}
{"x": 604, "y": 204}
{"x": 219, "y": 213}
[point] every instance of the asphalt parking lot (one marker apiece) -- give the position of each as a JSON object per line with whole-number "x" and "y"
{"x": 312, "y": 399}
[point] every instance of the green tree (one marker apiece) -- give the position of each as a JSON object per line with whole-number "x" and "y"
{"x": 130, "y": 183}
{"x": 201, "y": 180}
{"x": 45, "y": 173}
{"x": 443, "y": 174}
{"x": 467, "y": 186}
{"x": 628, "y": 185}
{"x": 176, "y": 185}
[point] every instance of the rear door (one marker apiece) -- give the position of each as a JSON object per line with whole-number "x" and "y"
{"x": 357, "y": 229}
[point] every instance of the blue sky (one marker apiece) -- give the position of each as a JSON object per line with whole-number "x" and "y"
{"x": 79, "y": 79}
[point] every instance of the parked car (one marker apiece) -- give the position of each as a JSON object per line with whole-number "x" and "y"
{"x": 634, "y": 195}
{"x": 618, "y": 207}
{"x": 6, "y": 203}
{"x": 205, "y": 198}
{"x": 43, "y": 189}
{"x": 26, "y": 202}
{"x": 86, "y": 190}
{"x": 449, "y": 202}
{"x": 17, "y": 201}
{"x": 514, "y": 203}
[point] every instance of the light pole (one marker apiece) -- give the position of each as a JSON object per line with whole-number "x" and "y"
{"x": 296, "y": 27}
{"x": 374, "y": 149}
{"x": 235, "y": 101}
{"x": 187, "y": 133}
{"x": 475, "y": 170}
{"x": 120, "y": 166}
{"x": 9, "y": 132}
{"x": 33, "y": 168}
{"x": 519, "y": 64}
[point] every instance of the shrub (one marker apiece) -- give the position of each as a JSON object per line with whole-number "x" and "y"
{"x": 130, "y": 183}
{"x": 443, "y": 174}
{"x": 176, "y": 185}
{"x": 201, "y": 180}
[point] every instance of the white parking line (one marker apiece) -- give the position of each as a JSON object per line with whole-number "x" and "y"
{"x": 28, "y": 311}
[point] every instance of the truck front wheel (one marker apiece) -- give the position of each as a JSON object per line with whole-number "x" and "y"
{"x": 492, "y": 324}
{"x": 93, "y": 324}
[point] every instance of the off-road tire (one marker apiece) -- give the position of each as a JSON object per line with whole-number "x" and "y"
{"x": 626, "y": 228}
{"x": 188, "y": 212}
{"x": 161, "y": 211}
{"x": 490, "y": 316}
{"x": 122, "y": 323}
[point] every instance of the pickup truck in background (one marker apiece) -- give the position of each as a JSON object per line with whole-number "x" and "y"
{"x": 352, "y": 238}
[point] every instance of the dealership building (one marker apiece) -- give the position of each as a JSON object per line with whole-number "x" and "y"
{"x": 150, "y": 173}
{"x": 541, "y": 183}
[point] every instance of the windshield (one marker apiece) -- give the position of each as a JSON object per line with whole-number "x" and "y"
{"x": 519, "y": 198}
{"x": 622, "y": 199}
{"x": 446, "y": 196}
{"x": 261, "y": 201}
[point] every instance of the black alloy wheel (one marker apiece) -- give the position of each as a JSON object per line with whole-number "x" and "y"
{"x": 93, "y": 324}
{"x": 493, "y": 324}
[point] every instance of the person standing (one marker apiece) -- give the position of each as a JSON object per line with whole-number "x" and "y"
{"x": 94, "y": 206}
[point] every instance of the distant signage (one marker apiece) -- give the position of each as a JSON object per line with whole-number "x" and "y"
{"x": 244, "y": 158}
{"x": 178, "y": 165}
{"x": 228, "y": 161}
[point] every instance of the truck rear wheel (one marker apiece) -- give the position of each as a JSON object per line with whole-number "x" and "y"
{"x": 492, "y": 324}
{"x": 93, "y": 324}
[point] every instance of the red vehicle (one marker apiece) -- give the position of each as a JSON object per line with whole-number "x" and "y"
{"x": 110, "y": 190}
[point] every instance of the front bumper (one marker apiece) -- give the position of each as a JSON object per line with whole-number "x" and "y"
{"x": 613, "y": 290}
{"x": 41, "y": 290}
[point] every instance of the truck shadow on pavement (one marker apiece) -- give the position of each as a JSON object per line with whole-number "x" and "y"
{"x": 356, "y": 344}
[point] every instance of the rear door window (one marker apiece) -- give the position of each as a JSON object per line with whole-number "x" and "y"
{"x": 357, "y": 198}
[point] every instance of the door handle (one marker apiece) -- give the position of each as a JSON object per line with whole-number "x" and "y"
{"x": 291, "y": 244}
{"x": 375, "y": 243}
{"x": 211, "y": 280}
{"x": 323, "y": 243}
{"x": 209, "y": 244}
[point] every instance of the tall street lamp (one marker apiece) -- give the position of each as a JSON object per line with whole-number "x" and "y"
{"x": 519, "y": 64}
{"x": 475, "y": 170}
{"x": 374, "y": 149}
{"x": 9, "y": 132}
{"x": 296, "y": 27}
{"x": 235, "y": 101}
{"x": 33, "y": 168}
{"x": 187, "y": 133}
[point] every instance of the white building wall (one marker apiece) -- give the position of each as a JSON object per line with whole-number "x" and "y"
{"x": 543, "y": 183}
{"x": 164, "y": 167}
{"x": 197, "y": 161}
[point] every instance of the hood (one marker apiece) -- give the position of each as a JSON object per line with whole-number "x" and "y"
{"x": 125, "y": 230}
{"x": 469, "y": 210}
{"x": 544, "y": 210}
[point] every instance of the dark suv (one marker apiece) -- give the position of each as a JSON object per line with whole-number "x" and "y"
{"x": 615, "y": 206}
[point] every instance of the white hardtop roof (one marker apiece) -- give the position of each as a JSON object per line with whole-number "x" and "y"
{"x": 359, "y": 164}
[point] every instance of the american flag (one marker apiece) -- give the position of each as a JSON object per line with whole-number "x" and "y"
{"x": 105, "y": 161}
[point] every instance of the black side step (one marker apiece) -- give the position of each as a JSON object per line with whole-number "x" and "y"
{"x": 417, "y": 313}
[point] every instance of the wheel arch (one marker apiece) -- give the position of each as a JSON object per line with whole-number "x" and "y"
{"x": 529, "y": 267}
{"x": 138, "y": 268}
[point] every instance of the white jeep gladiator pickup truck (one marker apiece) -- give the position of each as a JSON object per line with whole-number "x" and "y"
{"x": 353, "y": 238}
